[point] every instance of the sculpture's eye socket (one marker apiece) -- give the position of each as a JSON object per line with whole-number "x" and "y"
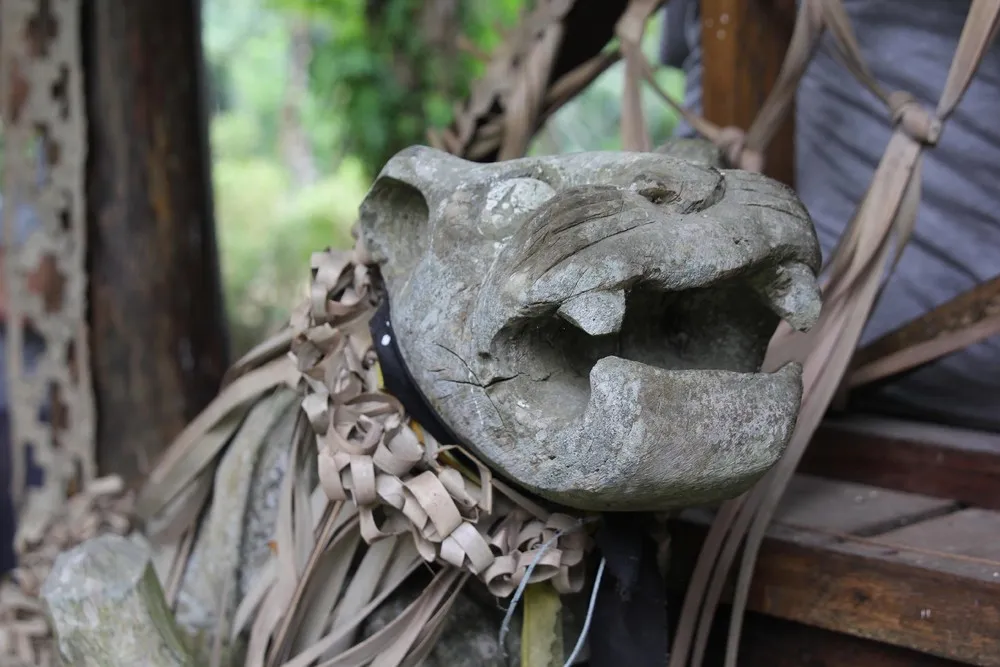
{"x": 393, "y": 210}
{"x": 508, "y": 204}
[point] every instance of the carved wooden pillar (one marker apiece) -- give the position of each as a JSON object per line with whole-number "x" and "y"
{"x": 44, "y": 250}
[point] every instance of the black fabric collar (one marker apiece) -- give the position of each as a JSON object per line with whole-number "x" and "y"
{"x": 630, "y": 615}
{"x": 399, "y": 382}
{"x": 629, "y": 626}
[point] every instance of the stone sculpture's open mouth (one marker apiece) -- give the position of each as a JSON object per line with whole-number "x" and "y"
{"x": 651, "y": 372}
{"x": 721, "y": 327}
{"x": 674, "y": 370}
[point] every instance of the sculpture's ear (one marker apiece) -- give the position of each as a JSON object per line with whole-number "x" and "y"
{"x": 395, "y": 216}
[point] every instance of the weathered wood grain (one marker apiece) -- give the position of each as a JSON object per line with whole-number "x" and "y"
{"x": 773, "y": 642}
{"x": 930, "y": 586}
{"x": 922, "y": 458}
{"x": 156, "y": 314}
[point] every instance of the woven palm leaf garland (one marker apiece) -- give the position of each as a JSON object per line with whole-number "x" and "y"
{"x": 382, "y": 481}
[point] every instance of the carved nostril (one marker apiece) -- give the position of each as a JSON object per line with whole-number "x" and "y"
{"x": 655, "y": 191}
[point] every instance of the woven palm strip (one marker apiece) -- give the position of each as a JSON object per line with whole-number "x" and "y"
{"x": 373, "y": 456}
{"x": 386, "y": 493}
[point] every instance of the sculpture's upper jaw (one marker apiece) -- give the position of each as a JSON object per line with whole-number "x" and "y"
{"x": 606, "y": 353}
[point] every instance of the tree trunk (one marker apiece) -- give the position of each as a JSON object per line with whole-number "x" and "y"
{"x": 157, "y": 320}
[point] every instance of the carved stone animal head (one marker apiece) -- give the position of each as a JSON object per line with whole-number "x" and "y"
{"x": 593, "y": 325}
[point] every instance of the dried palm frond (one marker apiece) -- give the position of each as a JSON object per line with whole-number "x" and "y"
{"x": 556, "y": 50}
{"x": 368, "y": 497}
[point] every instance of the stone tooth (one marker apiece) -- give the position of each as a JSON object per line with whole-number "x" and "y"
{"x": 597, "y": 313}
{"x": 792, "y": 293}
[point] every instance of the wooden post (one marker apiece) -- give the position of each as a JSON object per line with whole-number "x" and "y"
{"x": 157, "y": 320}
{"x": 743, "y": 45}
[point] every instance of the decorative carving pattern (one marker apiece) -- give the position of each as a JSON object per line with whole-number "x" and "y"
{"x": 52, "y": 405}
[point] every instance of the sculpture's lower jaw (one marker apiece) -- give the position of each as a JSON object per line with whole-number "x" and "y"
{"x": 653, "y": 439}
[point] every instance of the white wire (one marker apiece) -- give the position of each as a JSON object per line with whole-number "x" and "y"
{"x": 590, "y": 615}
{"x": 519, "y": 593}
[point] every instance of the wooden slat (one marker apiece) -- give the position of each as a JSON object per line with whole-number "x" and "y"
{"x": 743, "y": 45}
{"x": 773, "y": 642}
{"x": 934, "y": 460}
{"x": 866, "y": 590}
{"x": 971, "y": 536}
{"x": 979, "y": 303}
{"x": 857, "y": 509}
{"x": 890, "y": 588}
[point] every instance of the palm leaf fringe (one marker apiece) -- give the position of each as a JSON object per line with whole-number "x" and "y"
{"x": 368, "y": 497}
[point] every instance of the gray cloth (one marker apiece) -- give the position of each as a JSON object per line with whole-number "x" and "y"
{"x": 686, "y": 56}
{"x": 841, "y": 133}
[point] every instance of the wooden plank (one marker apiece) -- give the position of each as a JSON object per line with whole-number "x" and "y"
{"x": 934, "y": 460}
{"x": 743, "y": 46}
{"x": 969, "y": 536}
{"x": 857, "y": 509}
{"x": 978, "y": 304}
{"x": 774, "y": 642}
{"x": 867, "y": 588}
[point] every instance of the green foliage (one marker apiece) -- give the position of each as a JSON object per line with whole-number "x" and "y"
{"x": 268, "y": 231}
{"x": 592, "y": 120}
{"x": 374, "y": 63}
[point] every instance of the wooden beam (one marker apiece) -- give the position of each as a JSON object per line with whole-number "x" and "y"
{"x": 907, "y": 456}
{"x": 932, "y": 586}
{"x": 978, "y": 304}
{"x": 773, "y": 642}
{"x": 743, "y": 46}
{"x": 156, "y": 313}
{"x": 848, "y": 508}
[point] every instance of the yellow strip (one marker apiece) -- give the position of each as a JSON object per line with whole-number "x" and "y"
{"x": 417, "y": 431}
{"x": 541, "y": 627}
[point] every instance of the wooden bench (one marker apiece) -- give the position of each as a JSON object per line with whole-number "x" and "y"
{"x": 855, "y": 573}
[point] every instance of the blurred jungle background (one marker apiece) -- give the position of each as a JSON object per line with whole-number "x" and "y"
{"x": 309, "y": 98}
